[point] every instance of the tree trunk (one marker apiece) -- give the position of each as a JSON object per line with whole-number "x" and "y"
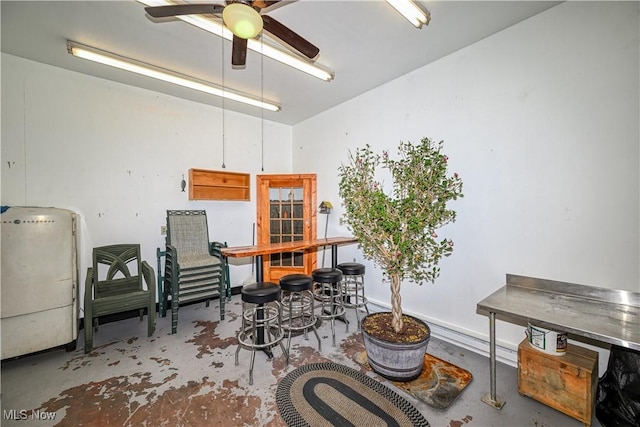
{"x": 396, "y": 304}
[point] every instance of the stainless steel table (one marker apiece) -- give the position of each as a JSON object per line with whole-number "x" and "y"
{"x": 607, "y": 315}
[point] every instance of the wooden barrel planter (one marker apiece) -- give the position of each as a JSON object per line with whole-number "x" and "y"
{"x": 396, "y": 361}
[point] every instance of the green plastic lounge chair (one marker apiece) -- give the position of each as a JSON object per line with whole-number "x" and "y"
{"x": 114, "y": 284}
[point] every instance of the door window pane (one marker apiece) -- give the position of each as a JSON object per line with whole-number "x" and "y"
{"x": 286, "y": 215}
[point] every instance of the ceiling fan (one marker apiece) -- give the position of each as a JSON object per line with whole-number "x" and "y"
{"x": 245, "y": 20}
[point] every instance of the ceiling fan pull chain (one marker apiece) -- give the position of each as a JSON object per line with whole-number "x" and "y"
{"x": 262, "y": 100}
{"x": 223, "y": 89}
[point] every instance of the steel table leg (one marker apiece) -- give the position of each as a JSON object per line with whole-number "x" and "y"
{"x": 334, "y": 256}
{"x": 491, "y": 398}
{"x": 260, "y": 337}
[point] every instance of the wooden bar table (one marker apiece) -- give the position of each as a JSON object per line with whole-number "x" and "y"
{"x": 258, "y": 251}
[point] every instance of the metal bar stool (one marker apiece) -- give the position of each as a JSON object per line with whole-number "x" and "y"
{"x": 328, "y": 291}
{"x": 297, "y": 301}
{"x": 353, "y": 287}
{"x": 261, "y": 321}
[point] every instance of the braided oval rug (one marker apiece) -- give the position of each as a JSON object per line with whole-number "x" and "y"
{"x": 330, "y": 394}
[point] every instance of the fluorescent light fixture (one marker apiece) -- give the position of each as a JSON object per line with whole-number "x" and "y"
{"x": 411, "y": 11}
{"x": 117, "y": 61}
{"x": 267, "y": 50}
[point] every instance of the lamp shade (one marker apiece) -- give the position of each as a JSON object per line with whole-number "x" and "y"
{"x": 243, "y": 20}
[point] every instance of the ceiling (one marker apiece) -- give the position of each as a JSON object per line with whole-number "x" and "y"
{"x": 365, "y": 43}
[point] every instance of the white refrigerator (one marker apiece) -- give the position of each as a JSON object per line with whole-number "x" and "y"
{"x": 39, "y": 287}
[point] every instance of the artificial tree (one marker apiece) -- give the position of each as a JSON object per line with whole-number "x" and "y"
{"x": 396, "y": 227}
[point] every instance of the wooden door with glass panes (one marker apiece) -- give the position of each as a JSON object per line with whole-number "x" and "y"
{"x": 286, "y": 213}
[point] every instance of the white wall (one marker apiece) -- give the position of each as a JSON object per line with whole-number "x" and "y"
{"x": 541, "y": 122}
{"x": 116, "y": 154}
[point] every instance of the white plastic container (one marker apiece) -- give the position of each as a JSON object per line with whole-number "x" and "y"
{"x": 546, "y": 340}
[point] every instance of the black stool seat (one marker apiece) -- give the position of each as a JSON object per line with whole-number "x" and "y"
{"x": 260, "y": 292}
{"x": 296, "y": 282}
{"x": 351, "y": 268}
{"x": 327, "y": 275}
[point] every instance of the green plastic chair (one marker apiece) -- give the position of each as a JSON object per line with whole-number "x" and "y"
{"x": 114, "y": 284}
{"x": 195, "y": 270}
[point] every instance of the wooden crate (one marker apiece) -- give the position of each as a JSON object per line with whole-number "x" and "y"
{"x": 566, "y": 383}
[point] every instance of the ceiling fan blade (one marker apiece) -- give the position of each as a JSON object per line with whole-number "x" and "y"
{"x": 183, "y": 9}
{"x": 239, "y": 52}
{"x": 289, "y": 37}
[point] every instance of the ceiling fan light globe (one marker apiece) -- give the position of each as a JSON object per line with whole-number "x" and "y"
{"x": 243, "y": 21}
{"x": 246, "y": 30}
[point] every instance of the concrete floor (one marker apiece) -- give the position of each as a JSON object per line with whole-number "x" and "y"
{"x": 190, "y": 379}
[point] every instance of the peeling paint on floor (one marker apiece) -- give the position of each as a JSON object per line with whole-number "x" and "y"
{"x": 190, "y": 378}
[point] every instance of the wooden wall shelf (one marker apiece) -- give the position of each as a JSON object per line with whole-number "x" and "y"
{"x": 218, "y": 185}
